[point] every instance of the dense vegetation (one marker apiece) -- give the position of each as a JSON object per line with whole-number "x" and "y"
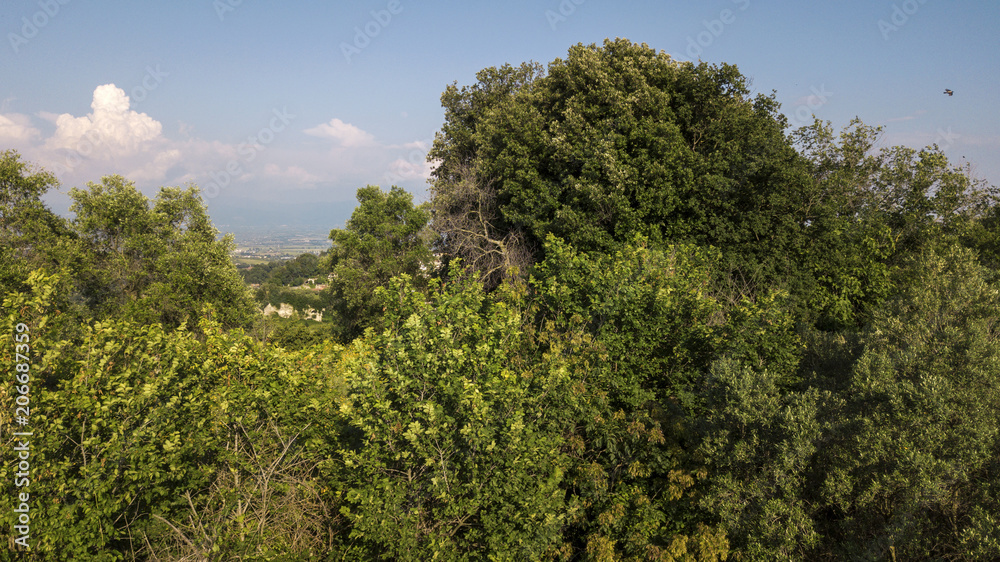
{"x": 663, "y": 327}
{"x": 292, "y": 272}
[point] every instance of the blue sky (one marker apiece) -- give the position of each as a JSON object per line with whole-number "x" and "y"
{"x": 281, "y": 111}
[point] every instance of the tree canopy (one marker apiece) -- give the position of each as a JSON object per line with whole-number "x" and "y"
{"x": 385, "y": 236}
{"x": 155, "y": 261}
{"x": 122, "y": 254}
{"x": 621, "y": 140}
{"x": 663, "y": 328}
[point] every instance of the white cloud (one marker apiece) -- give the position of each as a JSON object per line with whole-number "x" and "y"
{"x": 916, "y": 114}
{"x": 422, "y": 146}
{"x": 403, "y": 169}
{"x": 112, "y": 138}
{"x": 111, "y": 129}
{"x": 346, "y": 134}
{"x": 157, "y": 168}
{"x": 17, "y": 127}
{"x": 813, "y": 101}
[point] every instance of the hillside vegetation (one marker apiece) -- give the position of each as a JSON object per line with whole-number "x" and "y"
{"x": 639, "y": 319}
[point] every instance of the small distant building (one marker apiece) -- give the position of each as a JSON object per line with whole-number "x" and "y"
{"x": 284, "y": 310}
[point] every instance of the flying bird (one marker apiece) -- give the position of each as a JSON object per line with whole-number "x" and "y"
{"x": 949, "y": 92}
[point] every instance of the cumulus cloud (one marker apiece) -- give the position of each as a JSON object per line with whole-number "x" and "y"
{"x": 156, "y": 169}
{"x": 414, "y": 166}
{"x": 16, "y": 127}
{"x": 111, "y": 128}
{"x": 347, "y": 135}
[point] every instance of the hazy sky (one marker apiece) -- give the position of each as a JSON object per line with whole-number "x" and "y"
{"x": 292, "y": 106}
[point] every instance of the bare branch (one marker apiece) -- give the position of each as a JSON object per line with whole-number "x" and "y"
{"x": 466, "y": 214}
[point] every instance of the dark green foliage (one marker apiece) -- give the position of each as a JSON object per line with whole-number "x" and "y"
{"x": 870, "y": 209}
{"x": 647, "y": 326}
{"x": 883, "y": 445}
{"x": 298, "y": 334}
{"x": 299, "y": 299}
{"x": 759, "y": 441}
{"x": 292, "y": 272}
{"x": 919, "y": 472}
{"x": 621, "y": 140}
{"x": 478, "y": 436}
{"x": 152, "y": 261}
{"x": 31, "y": 235}
{"x": 649, "y": 308}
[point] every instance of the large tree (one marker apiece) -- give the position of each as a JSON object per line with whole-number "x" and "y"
{"x": 385, "y": 236}
{"x": 915, "y": 469}
{"x": 464, "y": 205}
{"x": 616, "y": 141}
{"x": 872, "y": 208}
{"x": 155, "y": 261}
{"x": 31, "y": 235}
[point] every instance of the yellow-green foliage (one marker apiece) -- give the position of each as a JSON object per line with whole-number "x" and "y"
{"x": 152, "y": 443}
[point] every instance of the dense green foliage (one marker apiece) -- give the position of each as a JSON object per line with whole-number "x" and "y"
{"x": 32, "y": 236}
{"x": 147, "y": 441}
{"x": 665, "y": 330}
{"x": 623, "y": 140}
{"x": 292, "y": 272}
{"x": 385, "y": 236}
{"x": 155, "y": 263}
{"x": 921, "y": 468}
{"x": 122, "y": 255}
